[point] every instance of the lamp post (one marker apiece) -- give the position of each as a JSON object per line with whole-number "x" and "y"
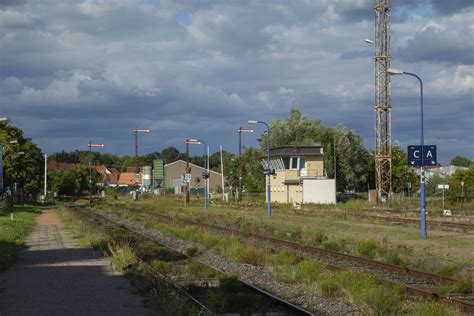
{"x": 422, "y": 143}
{"x": 90, "y": 145}
{"x": 191, "y": 141}
{"x": 269, "y": 209}
{"x": 240, "y": 131}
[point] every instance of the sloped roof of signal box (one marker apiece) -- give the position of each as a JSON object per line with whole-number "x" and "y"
{"x": 287, "y": 151}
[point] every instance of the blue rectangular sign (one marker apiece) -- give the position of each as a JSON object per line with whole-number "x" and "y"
{"x": 422, "y": 155}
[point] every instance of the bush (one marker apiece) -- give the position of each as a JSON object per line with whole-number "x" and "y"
{"x": 333, "y": 245}
{"x": 330, "y": 287}
{"x": 447, "y": 270}
{"x": 308, "y": 271}
{"x": 367, "y": 248}
{"x": 433, "y": 309}
{"x": 284, "y": 257}
{"x": 122, "y": 257}
{"x": 317, "y": 238}
{"x": 384, "y": 301}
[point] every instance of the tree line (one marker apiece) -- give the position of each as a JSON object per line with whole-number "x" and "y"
{"x": 344, "y": 156}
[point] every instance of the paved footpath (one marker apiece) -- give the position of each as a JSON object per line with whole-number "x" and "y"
{"x": 53, "y": 277}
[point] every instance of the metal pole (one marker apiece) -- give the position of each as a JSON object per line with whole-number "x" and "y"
{"x": 90, "y": 172}
{"x": 269, "y": 208}
{"x": 443, "y": 196}
{"x": 205, "y": 175}
{"x": 239, "y": 198}
{"x": 186, "y": 193}
{"x": 222, "y": 175}
{"x": 422, "y": 171}
{"x": 335, "y": 172}
{"x": 45, "y": 176}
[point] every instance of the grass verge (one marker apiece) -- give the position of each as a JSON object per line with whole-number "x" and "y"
{"x": 13, "y": 233}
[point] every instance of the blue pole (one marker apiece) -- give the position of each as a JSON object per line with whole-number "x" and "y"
{"x": 205, "y": 175}
{"x": 269, "y": 208}
{"x": 422, "y": 171}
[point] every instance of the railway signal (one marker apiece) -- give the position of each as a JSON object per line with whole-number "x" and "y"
{"x": 91, "y": 145}
{"x": 192, "y": 141}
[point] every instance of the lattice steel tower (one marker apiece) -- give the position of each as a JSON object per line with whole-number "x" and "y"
{"x": 382, "y": 106}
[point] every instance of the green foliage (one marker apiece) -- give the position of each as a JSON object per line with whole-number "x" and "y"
{"x": 368, "y": 248}
{"x": 401, "y": 172}
{"x": 352, "y": 157}
{"x": 447, "y": 270}
{"x": 193, "y": 251}
{"x": 461, "y": 161}
{"x": 200, "y": 271}
{"x": 433, "y": 309}
{"x": 285, "y": 257}
{"x": 13, "y": 233}
{"x": 122, "y": 257}
{"x": 383, "y": 301}
{"x": 330, "y": 287}
{"x": 27, "y": 169}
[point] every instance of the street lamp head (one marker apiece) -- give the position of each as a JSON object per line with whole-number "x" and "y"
{"x": 13, "y": 141}
{"x": 392, "y": 71}
{"x": 142, "y": 130}
{"x": 21, "y": 153}
{"x": 252, "y": 122}
{"x": 369, "y": 41}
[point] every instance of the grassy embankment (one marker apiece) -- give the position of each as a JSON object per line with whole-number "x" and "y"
{"x": 367, "y": 292}
{"x": 445, "y": 252}
{"x": 13, "y": 233}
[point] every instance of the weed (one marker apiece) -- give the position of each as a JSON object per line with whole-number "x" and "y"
{"x": 333, "y": 245}
{"x": 368, "y": 248}
{"x": 308, "y": 271}
{"x": 285, "y": 257}
{"x": 447, "y": 270}
{"x": 193, "y": 251}
{"x": 317, "y": 238}
{"x": 383, "y": 301}
{"x": 330, "y": 287}
{"x": 393, "y": 258}
{"x": 200, "y": 271}
{"x": 433, "y": 309}
{"x": 122, "y": 257}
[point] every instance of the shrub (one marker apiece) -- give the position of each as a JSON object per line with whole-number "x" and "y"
{"x": 383, "y": 301}
{"x": 333, "y": 245}
{"x": 122, "y": 257}
{"x": 367, "y": 248}
{"x": 284, "y": 257}
{"x": 433, "y": 309}
{"x": 330, "y": 287}
{"x": 193, "y": 251}
{"x": 447, "y": 270}
{"x": 317, "y": 238}
{"x": 308, "y": 271}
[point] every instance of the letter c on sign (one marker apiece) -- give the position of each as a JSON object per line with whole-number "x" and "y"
{"x": 416, "y": 154}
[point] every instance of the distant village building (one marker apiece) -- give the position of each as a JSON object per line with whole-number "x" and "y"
{"x": 128, "y": 179}
{"x": 175, "y": 171}
{"x": 108, "y": 176}
{"x": 53, "y": 164}
{"x": 299, "y": 175}
{"x": 442, "y": 171}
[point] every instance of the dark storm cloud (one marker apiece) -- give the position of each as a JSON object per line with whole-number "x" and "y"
{"x": 447, "y": 7}
{"x": 436, "y": 43}
{"x": 96, "y": 69}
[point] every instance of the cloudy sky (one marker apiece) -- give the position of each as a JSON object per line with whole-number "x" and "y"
{"x": 71, "y": 71}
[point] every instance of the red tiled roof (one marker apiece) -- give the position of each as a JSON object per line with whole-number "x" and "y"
{"x": 53, "y": 164}
{"x": 127, "y": 178}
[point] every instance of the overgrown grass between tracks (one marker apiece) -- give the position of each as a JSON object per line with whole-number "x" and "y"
{"x": 13, "y": 233}
{"x": 365, "y": 291}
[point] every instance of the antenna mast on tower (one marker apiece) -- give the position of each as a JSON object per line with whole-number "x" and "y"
{"x": 382, "y": 106}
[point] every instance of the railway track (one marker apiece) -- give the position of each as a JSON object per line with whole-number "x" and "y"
{"x": 403, "y": 220}
{"x": 415, "y": 282}
{"x": 276, "y": 305}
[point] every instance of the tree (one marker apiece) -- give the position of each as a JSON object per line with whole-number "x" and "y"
{"x": 24, "y": 170}
{"x": 401, "y": 172}
{"x": 461, "y": 161}
{"x": 171, "y": 154}
{"x": 352, "y": 157}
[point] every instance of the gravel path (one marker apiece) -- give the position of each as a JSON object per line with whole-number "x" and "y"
{"x": 53, "y": 277}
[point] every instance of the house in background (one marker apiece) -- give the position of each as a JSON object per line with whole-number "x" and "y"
{"x": 299, "y": 175}
{"x": 108, "y": 176}
{"x": 173, "y": 173}
{"x": 53, "y": 164}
